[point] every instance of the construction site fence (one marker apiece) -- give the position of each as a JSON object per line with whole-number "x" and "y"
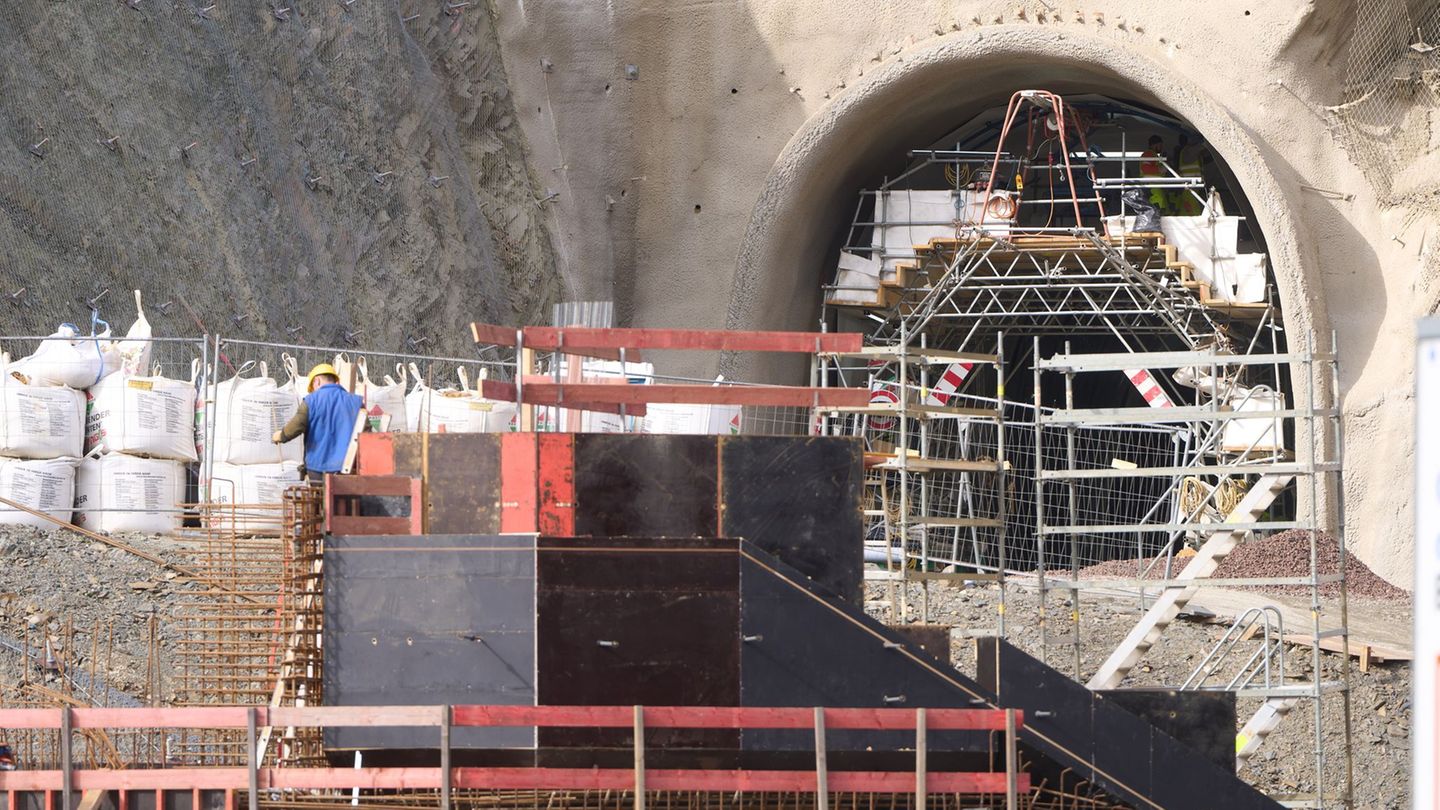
{"x": 1001, "y": 727}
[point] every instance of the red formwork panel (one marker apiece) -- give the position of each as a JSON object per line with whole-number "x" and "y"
{"x": 375, "y": 454}
{"x": 556, "y": 480}
{"x": 343, "y": 510}
{"x": 519, "y": 476}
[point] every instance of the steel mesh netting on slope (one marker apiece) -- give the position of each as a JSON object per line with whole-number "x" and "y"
{"x": 331, "y": 174}
{"x": 1388, "y": 118}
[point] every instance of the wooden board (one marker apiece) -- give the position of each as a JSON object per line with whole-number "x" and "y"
{"x": 1359, "y": 648}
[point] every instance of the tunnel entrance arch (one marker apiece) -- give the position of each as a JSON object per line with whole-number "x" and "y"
{"x": 804, "y": 220}
{"x": 791, "y": 244}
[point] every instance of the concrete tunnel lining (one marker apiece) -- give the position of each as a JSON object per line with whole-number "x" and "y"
{"x": 923, "y": 93}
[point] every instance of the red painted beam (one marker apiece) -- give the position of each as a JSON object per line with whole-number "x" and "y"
{"x": 482, "y": 715}
{"x": 365, "y": 778}
{"x": 585, "y": 340}
{"x": 729, "y": 717}
{"x": 29, "y": 718}
{"x": 490, "y": 335}
{"x": 586, "y": 396}
{"x": 506, "y": 779}
{"x": 506, "y": 391}
{"x": 176, "y": 717}
{"x": 728, "y": 780}
{"x": 351, "y": 716}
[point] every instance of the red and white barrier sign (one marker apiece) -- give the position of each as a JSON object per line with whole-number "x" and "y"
{"x": 883, "y": 396}
{"x": 949, "y": 383}
{"x": 1149, "y": 388}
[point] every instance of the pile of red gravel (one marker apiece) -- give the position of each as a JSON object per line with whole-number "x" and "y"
{"x": 1286, "y": 554}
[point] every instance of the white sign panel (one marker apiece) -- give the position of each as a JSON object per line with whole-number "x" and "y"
{"x": 1426, "y": 786}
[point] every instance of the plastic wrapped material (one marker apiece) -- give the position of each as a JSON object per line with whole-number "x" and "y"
{"x": 1262, "y": 434}
{"x": 45, "y": 485}
{"x": 40, "y": 422}
{"x": 149, "y": 490}
{"x": 248, "y": 411}
{"x": 67, "y": 358}
{"x": 1147, "y": 216}
{"x": 146, "y": 416}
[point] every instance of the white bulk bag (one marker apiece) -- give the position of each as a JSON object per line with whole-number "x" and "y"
{"x": 144, "y": 416}
{"x": 1255, "y": 435}
{"x": 46, "y": 485}
{"x": 40, "y": 422}
{"x": 248, "y": 410}
{"x": 66, "y": 358}
{"x": 462, "y": 410}
{"x": 151, "y": 488}
{"x": 248, "y": 485}
{"x": 384, "y": 400}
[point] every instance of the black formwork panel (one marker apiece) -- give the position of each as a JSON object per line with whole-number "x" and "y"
{"x": 808, "y": 649}
{"x": 425, "y": 620}
{"x": 462, "y": 483}
{"x": 645, "y": 485}
{"x": 625, "y": 621}
{"x": 798, "y": 498}
{"x": 1202, "y": 719}
{"x": 1117, "y": 750}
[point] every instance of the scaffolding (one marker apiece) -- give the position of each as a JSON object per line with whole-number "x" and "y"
{"x": 981, "y": 276}
{"x": 1204, "y": 461}
{"x": 1239, "y": 468}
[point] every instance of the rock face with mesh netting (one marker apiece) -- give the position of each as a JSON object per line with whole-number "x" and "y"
{"x": 336, "y": 172}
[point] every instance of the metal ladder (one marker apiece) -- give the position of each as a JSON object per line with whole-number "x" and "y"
{"x": 1266, "y": 666}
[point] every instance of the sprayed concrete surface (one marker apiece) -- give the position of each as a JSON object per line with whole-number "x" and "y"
{"x": 706, "y": 153}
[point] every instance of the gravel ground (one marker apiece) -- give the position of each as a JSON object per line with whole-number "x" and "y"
{"x": 1286, "y": 554}
{"x": 50, "y": 578}
{"x": 1285, "y": 763}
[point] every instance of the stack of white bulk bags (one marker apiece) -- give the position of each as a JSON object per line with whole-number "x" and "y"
{"x": 42, "y": 433}
{"x": 682, "y": 418}
{"x": 139, "y": 435}
{"x": 246, "y": 469}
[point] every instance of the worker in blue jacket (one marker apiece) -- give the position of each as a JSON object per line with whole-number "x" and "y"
{"x": 326, "y": 418}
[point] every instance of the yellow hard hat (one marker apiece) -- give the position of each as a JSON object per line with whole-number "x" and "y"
{"x": 323, "y": 368}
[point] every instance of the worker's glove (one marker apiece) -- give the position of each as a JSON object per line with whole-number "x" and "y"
{"x": 276, "y": 438}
